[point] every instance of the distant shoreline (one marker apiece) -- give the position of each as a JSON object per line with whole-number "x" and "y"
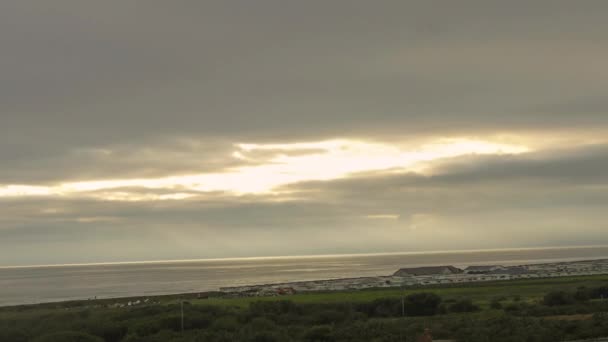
{"x": 226, "y": 292}
{"x": 313, "y": 256}
{"x": 431, "y": 275}
{"x": 58, "y": 284}
{"x": 217, "y": 295}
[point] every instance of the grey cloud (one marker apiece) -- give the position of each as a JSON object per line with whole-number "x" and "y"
{"x": 185, "y": 229}
{"x": 541, "y": 199}
{"x": 138, "y": 79}
{"x": 582, "y": 165}
{"x": 576, "y": 166}
{"x": 564, "y": 178}
{"x": 88, "y": 74}
{"x": 153, "y": 159}
{"x": 572, "y": 177}
{"x": 198, "y": 229}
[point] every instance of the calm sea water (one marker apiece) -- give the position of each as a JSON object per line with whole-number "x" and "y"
{"x": 29, "y": 285}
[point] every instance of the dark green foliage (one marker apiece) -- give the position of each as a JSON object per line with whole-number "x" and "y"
{"x": 225, "y": 323}
{"x": 274, "y": 307}
{"x": 496, "y": 304}
{"x": 329, "y": 316}
{"x": 262, "y": 324}
{"x": 599, "y": 293}
{"x": 509, "y": 329}
{"x": 418, "y": 304}
{"x": 321, "y": 333}
{"x": 387, "y": 307}
{"x": 108, "y": 330}
{"x": 463, "y": 305}
{"x": 68, "y": 336}
{"x": 558, "y": 298}
{"x": 385, "y": 319}
{"x": 267, "y": 336}
{"x": 582, "y": 294}
{"x": 422, "y": 304}
{"x": 145, "y": 327}
{"x": 13, "y": 335}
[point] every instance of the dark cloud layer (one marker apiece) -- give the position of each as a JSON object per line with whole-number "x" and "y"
{"x": 95, "y": 73}
{"x": 150, "y": 89}
{"x": 572, "y": 178}
{"x": 156, "y": 159}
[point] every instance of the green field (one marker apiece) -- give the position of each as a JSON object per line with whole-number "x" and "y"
{"x": 481, "y": 293}
{"x": 552, "y": 309}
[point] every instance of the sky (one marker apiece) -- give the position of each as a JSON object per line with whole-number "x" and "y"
{"x": 155, "y": 130}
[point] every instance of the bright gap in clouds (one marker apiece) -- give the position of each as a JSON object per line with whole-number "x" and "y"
{"x": 324, "y": 160}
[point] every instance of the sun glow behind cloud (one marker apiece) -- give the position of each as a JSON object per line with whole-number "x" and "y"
{"x": 323, "y": 160}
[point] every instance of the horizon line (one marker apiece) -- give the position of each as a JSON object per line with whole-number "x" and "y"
{"x": 304, "y": 256}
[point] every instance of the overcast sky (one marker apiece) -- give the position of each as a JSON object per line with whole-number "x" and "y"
{"x": 150, "y": 130}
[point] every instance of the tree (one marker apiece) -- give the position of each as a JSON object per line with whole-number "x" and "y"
{"x": 600, "y": 292}
{"x": 558, "y": 298}
{"x": 582, "y": 294}
{"x": 319, "y": 333}
{"x": 422, "y": 304}
{"x": 496, "y": 304}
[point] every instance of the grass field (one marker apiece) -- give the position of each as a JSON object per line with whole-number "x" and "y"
{"x": 375, "y": 314}
{"x": 480, "y": 293}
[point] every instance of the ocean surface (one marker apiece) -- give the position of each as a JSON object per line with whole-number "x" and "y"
{"x": 28, "y": 285}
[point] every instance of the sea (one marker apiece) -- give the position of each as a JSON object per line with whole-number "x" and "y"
{"x": 43, "y": 284}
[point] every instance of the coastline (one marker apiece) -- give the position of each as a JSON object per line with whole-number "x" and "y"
{"x": 313, "y": 256}
{"x": 563, "y": 269}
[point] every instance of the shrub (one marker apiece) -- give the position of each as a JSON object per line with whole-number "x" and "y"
{"x": 109, "y": 331}
{"x": 496, "y": 304}
{"x": 68, "y": 336}
{"x": 599, "y": 293}
{"x": 13, "y": 335}
{"x": 262, "y": 324}
{"x": 463, "y": 305}
{"x": 198, "y": 320}
{"x": 320, "y": 333}
{"x": 269, "y": 308}
{"x": 226, "y": 323}
{"x": 422, "y": 304}
{"x": 329, "y": 316}
{"x": 582, "y": 294}
{"x": 558, "y": 298}
{"x": 145, "y": 328}
{"x": 171, "y": 322}
{"x": 386, "y": 307}
{"x": 267, "y": 336}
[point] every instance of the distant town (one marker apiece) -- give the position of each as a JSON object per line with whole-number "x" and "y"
{"x": 425, "y": 276}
